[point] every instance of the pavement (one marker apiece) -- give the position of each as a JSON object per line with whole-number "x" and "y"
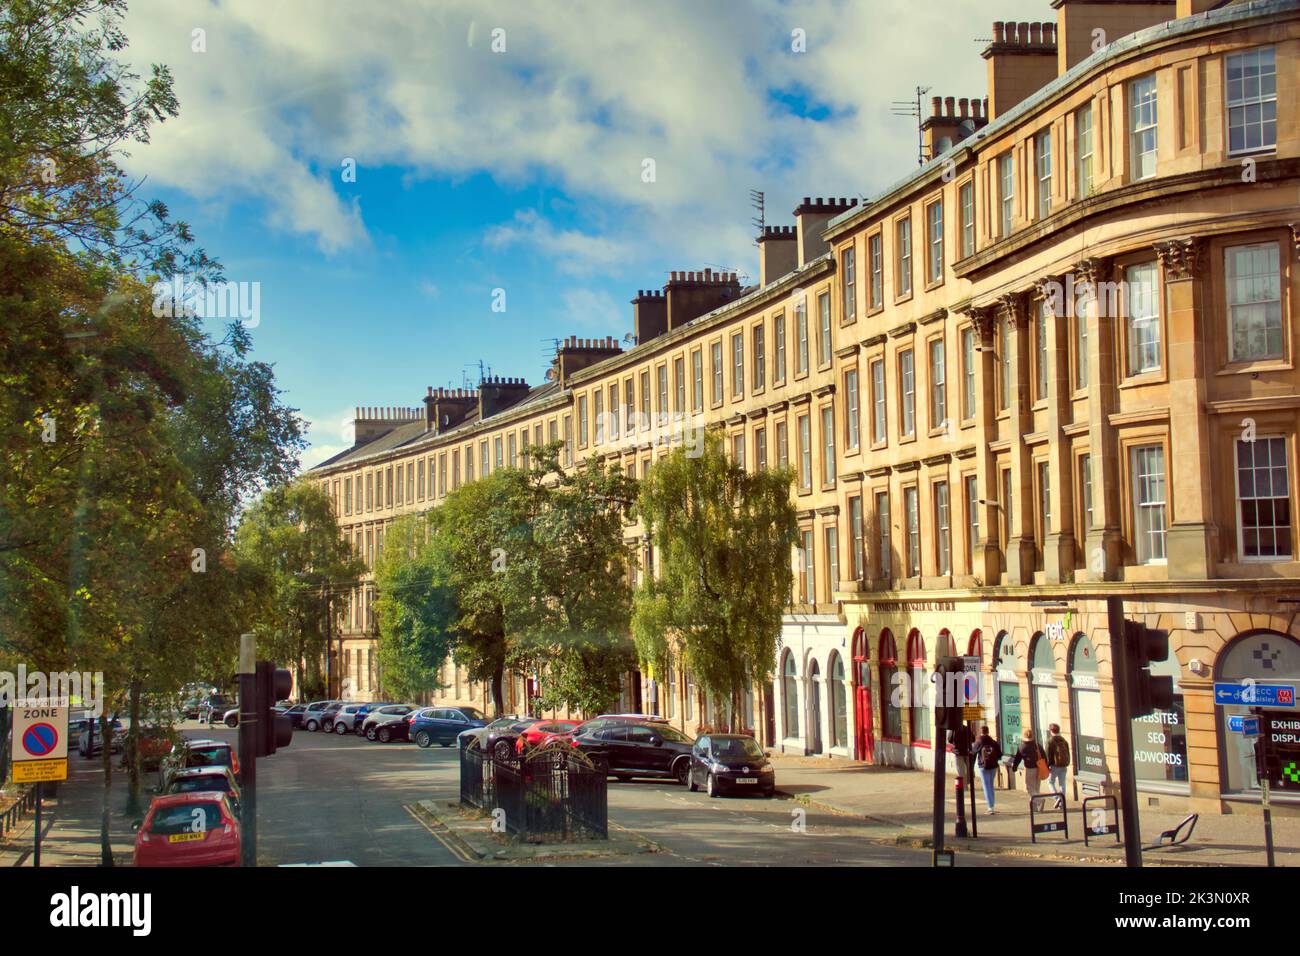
{"x": 895, "y": 804}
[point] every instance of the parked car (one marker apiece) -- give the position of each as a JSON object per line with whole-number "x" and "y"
{"x": 90, "y": 741}
{"x": 327, "y": 715}
{"x": 313, "y": 716}
{"x": 189, "y": 829}
{"x": 207, "y": 780}
{"x": 544, "y": 732}
{"x": 730, "y": 763}
{"x": 214, "y": 708}
{"x": 190, "y": 708}
{"x": 627, "y": 750}
{"x": 231, "y": 717}
{"x": 475, "y": 736}
{"x": 198, "y": 753}
{"x": 500, "y": 742}
{"x": 387, "y": 723}
{"x": 348, "y": 718}
{"x": 442, "y": 725}
{"x": 599, "y": 723}
{"x": 154, "y": 743}
{"x": 294, "y": 713}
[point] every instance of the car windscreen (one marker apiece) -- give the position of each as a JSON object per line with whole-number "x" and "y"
{"x": 186, "y": 818}
{"x": 736, "y": 747}
{"x": 208, "y": 757}
{"x": 214, "y": 781}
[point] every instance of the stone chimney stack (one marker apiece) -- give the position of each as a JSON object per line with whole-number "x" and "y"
{"x": 778, "y": 253}
{"x": 810, "y": 218}
{"x": 951, "y": 121}
{"x": 1021, "y": 61}
{"x": 692, "y": 294}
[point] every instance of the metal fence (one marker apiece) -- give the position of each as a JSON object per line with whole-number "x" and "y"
{"x": 546, "y": 796}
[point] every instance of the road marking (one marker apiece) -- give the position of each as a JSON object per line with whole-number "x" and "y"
{"x": 451, "y": 847}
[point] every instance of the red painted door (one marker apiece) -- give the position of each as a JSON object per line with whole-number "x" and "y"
{"x": 863, "y": 744}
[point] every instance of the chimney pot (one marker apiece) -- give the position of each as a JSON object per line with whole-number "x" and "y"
{"x": 934, "y": 105}
{"x": 949, "y": 106}
{"x": 1022, "y": 33}
{"x": 963, "y": 107}
{"x": 998, "y": 35}
{"x": 1036, "y": 33}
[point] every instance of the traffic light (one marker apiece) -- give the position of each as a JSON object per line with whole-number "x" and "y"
{"x": 273, "y": 730}
{"x": 1150, "y": 692}
{"x": 949, "y": 692}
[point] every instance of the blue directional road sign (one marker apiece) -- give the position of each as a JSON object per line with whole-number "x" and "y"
{"x": 1251, "y": 694}
{"x": 1246, "y": 726}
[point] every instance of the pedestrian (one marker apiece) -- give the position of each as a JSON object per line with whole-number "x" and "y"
{"x": 987, "y": 757}
{"x": 1058, "y": 758}
{"x": 1030, "y": 754}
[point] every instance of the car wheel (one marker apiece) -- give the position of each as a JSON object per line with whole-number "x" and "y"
{"x": 770, "y": 793}
{"x": 311, "y": 725}
{"x": 690, "y": 781}
{"x": 340, "y": 729}
{"x": 370, "y": 733}
{"x": 713, "y": 786}
{"x": 502, "y": 750}
{"x": 422, "y": 739}
{"x": 682, "y": 770}
{"x": 384, "y": 735}
{"x": 232, "y": 721}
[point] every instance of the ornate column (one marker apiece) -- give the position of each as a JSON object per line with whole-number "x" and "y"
{"x": 1058, "y": 543}
{"x": 987, "y": 553}
{"x": 1103, "y": 545}
{"x": 1191, "y": 539}
{"x": 1021, "y": 562}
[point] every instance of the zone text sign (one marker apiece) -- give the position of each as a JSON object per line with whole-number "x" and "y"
{"x": 40, "y": 741}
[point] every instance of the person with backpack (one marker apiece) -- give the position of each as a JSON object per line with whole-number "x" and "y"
{"x": 1058, "y": 758}
{"x": 987, "y": 757}
{"x": 1035, "y": 761}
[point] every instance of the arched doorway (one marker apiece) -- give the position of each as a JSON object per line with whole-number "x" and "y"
{"x": 922, "y": 724}
{"x": 814, "y": 707}
{"x": 1264, "y": 656}
{"x": 863, "y": 748}
{"x": 1086, "y": 725}
{"x": 1045, "y": 702}
{"x": 1005, "y": 666}
{"x": 839, "y": 722}
{"x": 790, "y": 697}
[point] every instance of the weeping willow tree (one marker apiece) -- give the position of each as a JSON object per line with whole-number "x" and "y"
{"x": 723, "y": 537}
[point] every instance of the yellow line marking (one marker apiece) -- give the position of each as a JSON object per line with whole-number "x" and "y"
{"x": 451, "y": 847}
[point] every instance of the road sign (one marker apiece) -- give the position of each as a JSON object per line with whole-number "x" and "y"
{"x": 40, "y": 741}
{"x": 1246, "y": 726}
{"x": 972, "y": 712}
{"x": 1253, "y": 694}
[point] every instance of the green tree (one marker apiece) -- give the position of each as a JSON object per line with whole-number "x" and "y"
{"x": 570, "y": 603}
{"x": 724, "y": 540}
{"x": 292, "y": 557}
{"x": 413, "y": 610}
{"x": 471, "y": 537}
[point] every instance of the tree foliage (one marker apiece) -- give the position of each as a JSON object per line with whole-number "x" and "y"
{"x": 723, "y": 538}
{"x": 414, "y": 610}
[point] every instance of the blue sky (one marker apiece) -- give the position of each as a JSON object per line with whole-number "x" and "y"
{"x": 503, "y": 146}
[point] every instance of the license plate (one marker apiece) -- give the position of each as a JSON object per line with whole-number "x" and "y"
{"x": 185, "y": 837}
{"x": 746, "y": 780}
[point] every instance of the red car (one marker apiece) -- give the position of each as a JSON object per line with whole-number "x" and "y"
{"x": 544, "y": 733}
{"x": 189, "y": 829}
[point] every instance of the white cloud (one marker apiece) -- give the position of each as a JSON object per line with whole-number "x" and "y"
{"x": 329, "y": 435}
{"x": 594, "y": 309}
{"x": 581, "y": 96}
{"x": 573, "y": 252}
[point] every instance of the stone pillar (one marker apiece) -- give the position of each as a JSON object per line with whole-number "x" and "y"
{"x": 1191, "y": 539}
{"x": 1021, "y": 562}
{"x": 1058, "y": 544}
{"x": 1103, "y": 548}
{"x": 987, "y": 553}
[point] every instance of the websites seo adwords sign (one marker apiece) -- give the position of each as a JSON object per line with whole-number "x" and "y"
{"x": 40, "y": 741}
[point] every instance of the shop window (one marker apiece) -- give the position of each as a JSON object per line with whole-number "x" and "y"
{"x": 790, "y": 695}
{"x": 839, "y": 704}
{"x": 1005, "y": 667}
{"x": 1088, "y": 730}
{"x": 1045, "y": 702}
{"x": 890, "y": 690}
{"x": 1260, "y": 656}
{"x": 919, "y": 680}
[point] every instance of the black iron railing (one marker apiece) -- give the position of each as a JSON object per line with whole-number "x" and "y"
{"x": 548, "y": 795}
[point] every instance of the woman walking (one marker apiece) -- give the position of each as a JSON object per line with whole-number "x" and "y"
{"x": 1033, "y": 758}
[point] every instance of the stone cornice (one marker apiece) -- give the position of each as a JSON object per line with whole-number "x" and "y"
{"x": 1181, "y": 259}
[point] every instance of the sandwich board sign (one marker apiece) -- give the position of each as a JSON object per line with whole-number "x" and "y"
{"x": 40, "y": 740}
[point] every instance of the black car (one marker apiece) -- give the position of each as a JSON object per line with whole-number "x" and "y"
{"x": 442, "y": 725}
{"x": 388, "y": 723}
{"x": 627, "y": 750}
{"x": 730, "y": 763}
{"x": 214, "y": 707}
{"x": 294, "y": 714}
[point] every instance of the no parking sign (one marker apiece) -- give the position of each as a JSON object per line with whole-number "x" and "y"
{"x": 40, "y": 742}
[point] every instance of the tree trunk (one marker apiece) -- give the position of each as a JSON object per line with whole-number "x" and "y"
{"x": 498, "y": 699}
{"x": 131, "y": 752}
{"x": 106, "y": 760}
